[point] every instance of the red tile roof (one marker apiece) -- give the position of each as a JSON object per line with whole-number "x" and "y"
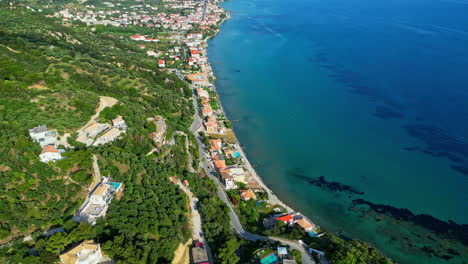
{"x": 285, "y": 218}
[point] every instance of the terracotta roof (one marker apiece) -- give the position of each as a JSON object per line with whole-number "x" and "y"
{"x": 285, "y": 218}
{"x": 219, "y": 164}
{"x": 101, "y": 189}
{"x": 215, "y": 144}
{"x": 50, "y": 149}
{"x": 247, "y": 194}
{"x": 207, "y": 109}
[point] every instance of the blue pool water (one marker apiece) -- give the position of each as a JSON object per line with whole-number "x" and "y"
{"x": 237, "y": 154}
{"x": 115, "y": 185}
{"x": 270, "y": 259}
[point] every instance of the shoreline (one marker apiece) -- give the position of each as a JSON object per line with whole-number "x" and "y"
{"x": 272, "y": 198}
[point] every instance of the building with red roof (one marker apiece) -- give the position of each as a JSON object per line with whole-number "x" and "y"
{"x": 287, "y": 219}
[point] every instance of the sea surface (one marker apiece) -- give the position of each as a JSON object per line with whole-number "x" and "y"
{"x": 356, "y": 113}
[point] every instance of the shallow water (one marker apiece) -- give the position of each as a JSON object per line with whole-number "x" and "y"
{"x": 371, "y": 95}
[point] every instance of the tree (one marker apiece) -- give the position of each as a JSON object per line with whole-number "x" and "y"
{"x": 227, "y": 253}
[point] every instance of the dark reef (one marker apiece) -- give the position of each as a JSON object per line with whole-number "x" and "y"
{"x": 448, "y": 230}
{"x": 385, "y": 112}
{"x": 324, "y": 184}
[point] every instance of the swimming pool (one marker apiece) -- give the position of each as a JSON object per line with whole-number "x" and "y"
{"x": 237, "y": 154}
{"x": 312, "y": 234}
{"x": 115, "y": 185}
{"x": 270, "y": 259}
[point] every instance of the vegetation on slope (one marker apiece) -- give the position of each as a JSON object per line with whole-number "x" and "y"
{"x": 53, "y": 75}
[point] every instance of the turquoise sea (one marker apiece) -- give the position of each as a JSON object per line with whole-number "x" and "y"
{"x": 356, "y": 113}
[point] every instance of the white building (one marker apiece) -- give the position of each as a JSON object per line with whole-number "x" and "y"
{"x": 98, "y": 202}
{"x": 119, "y": 122}
{"x": 50, "y": 153}
{"x": 94, "y": 129}
{"x": 44, "y": 137}
{"x": 108, "y": 137}
{"x": 88, "y": 252}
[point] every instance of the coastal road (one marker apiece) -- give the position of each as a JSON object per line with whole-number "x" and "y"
{"x": 235, "y": 222}
{"x": 234, "y": 219}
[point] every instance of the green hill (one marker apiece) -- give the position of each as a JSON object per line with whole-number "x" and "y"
{"x": 53, "y": 75}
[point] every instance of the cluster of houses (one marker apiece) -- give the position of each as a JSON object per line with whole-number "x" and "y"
{"x": 48, "y": 142}
{"x": 211, "y": 123}
{"x": 102, "y": 133}
{"x": 145, "y": 15}
{"x": 96, "y": 204}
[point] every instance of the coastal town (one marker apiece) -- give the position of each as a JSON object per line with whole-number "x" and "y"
{"x": 174, "y": 36}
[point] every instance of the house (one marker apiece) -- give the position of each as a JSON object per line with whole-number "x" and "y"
{"x": 95, "y": 128}
{"x": 220, "y": 164}
{"x": 207, "y": 111}
{"x": 195, "y": 36}
{"x": 303, "y": 222}
{"x": 247, "y": 195}
{"x": 210, "y": 127}
{"x": 203, "y": 93}
{"x": 289, "y": 261}
{"x": 98, "y": 202}
{"x": 282, "y": 251}
{"x": 191, "y": 61}
{"x": 195, "y": 54}
{"x": 161, "y": 63}
{"x": 269, "y": 222}
{"x": 87, "y": 252}
{"x": 287, "y": 219}
{"x": 228, "y": 181}
{"x": 199, "y": 254}
{"x": 215, "y": 144}
{"x": 43, "y": 136}
{"x": 238, "y": 174}
{"x": 138, "y": 37}
{"x": 141, "y": 46}
{"x": 118, "y": 122}
{"x": 151, "y": 53}
{"x": 108, "y": 137}
{"x": 101, "y": 194}
{"x": 205, "y": 102}
{"x": 50, "y": 153}
{"x": 216, "y": 155}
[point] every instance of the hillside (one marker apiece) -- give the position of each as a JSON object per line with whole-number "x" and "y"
{"x": 53, "y": 75}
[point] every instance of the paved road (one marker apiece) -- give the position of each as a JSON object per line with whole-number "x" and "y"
{"x": 234, "y": 219}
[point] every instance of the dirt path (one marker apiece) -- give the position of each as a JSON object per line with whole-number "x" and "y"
{"x": 104, "y": 101}
{"x": 182, "y": 253}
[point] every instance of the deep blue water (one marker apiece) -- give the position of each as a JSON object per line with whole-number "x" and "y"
{"x": 371, "y": 95}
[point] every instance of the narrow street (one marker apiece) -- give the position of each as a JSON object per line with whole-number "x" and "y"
{"x": 197, "y": 230}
